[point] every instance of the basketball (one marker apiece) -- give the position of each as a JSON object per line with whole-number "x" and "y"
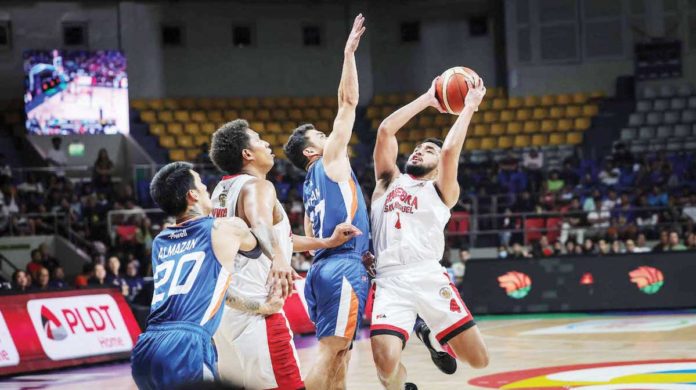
{"x": 451, "y": 88}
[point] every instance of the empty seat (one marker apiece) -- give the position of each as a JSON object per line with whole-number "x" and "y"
{"x": 636, "y": 119}
{"x": 682, "y": 130}
{"x": 514, "y": 128}
{"x": 157, "y": 129}
{"x": 580, "y": 98}
{"x": 230, "y": 115}
{"x": 540, "y": 113}
{"x": 208, "y": 128}
{"x": 184, "y": 141}
{"x": 685, "y": 90}
{"x": 263, "y": 115}
{"x": 273, "y": 127}
{"x": 689, "y": 116}
{"x": 425, "y": 121}
{"x": 522, "y": 141}
{"x": 654, "y": 118}
{"x": 488, "y": 143}
{"x": 671, "y": 117}
{"x": 557, "y": 139}
{"x": 257, "y": 126}
{"x": 237, "y": 103}
{"x": 636, "y": 147}
{"x": 628, "y": 134}
{"x": 472, "y": 143}
{"x": 251, "y": 102}
{"x": 540, "y": 140}
{"x": 581, "y": 123}
{"x": 564, "y": 99}
{"x": 649, "y": 92}
{"x": 548, "y": 125}
{"x": 199, "y": 116}
{"x": 644, "y": 105}
{"x": 497, "y": 129}
{"x": 548, "y": 100}
{"x": 531, "y": 101}
{"x": 372, "y": 112}
{"x": 573, "y": 111}
{"x": 175, "y": 128}
{"x": 667, "y": 90}
{"x": 565, "y": 124}
{"x": 661, "y": 105}
{"x": 515, "y": 102}
{"x": 165, "y": 116}
{"x": 481, "y": 130}
{"x": 148, "y": 116}
{"x": 192, "y": 128}
{"x": 167, "y": 141}
{"x": 531, "y": 127}
{"x": 522, "y": 115}
{"x": 677, "y": 104}
{"x": 200, "y": 139}
{"x": 590, "y": 110}
{"x": 574, "y": 138}
{"x": 646, "y": 132}
{"x": 557, "y": 112}
{"x": 490, "y": 116}
{"x": 664, "y": 131}
{"x": 499, "y": 104}
{"x": 181, "y": 116}
{"x": 177, "y": 155}
{"x": 505, "y": 142}
{"x": 379, "y": 100}
{"x": 692, "y": 102}
{"x": 507, "y": 115}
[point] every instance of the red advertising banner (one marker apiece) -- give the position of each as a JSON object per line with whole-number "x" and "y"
{"x": 49, "y": 330}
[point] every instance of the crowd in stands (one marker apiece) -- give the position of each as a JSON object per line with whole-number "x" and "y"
{"x": 106, "y": 68}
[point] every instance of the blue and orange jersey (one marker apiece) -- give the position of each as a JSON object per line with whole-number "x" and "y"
{"x": 328, "y": 204}
{"x": 190, "y": 282}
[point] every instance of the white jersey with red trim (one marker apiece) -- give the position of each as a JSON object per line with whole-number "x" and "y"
{"x": 249, "y": 275}
{"x": 408, "y": 224}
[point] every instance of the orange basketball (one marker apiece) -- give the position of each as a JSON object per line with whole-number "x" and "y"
{"x": 451, "y": 88}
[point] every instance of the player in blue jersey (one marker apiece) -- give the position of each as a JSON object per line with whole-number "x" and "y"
{"x": 337, "y": 284}
{"x": 191, "y": 262}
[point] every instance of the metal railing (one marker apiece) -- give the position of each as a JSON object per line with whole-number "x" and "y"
{"x": 57, "y": 218}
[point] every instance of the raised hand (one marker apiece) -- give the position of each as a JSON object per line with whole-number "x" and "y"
{"x": 355, "y": 33}
{"x": 432, "y": 96}
{"x": 476, "y": 93}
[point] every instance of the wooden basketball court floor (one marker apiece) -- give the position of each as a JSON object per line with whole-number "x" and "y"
{"x": 602, "y": 351}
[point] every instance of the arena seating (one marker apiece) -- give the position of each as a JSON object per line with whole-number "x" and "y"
{"x": 664, "y": 119}
{"x": 503, "y": 123}
{"x": 183, "y": 125}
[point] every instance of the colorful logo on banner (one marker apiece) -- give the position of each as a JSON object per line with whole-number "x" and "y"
{"x": 638, "y": 375}
{"x": 8, "y": 350}
{"x": 648, "y": 279}
{"x": 516, "y": 284}
{"x": 73, "y": 327}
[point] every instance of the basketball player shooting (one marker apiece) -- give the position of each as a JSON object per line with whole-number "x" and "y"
{"x": 409, "y": 215}
{"x": 336, "y": 285}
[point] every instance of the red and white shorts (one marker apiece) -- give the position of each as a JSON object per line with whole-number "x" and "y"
{"x": 431, "y": 295}
{"x": 257, "y": 352}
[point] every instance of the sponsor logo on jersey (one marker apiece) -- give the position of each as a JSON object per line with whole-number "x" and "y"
{"x": 222, "y": 199}
{"x": 399, "y": 199}
{"x": 516, "y": 284}
{"x": 178, "y": 234}
{"x": 648, "y": 279}
{"x": 219, "y": 212}
{"x": 446, "y": 292}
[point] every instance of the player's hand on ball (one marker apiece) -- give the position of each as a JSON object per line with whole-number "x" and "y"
{"x": 355, "y": 33}
{"x": 343, "y": 233}
{"x": 432, "y": 96}
{"x": 476, "y": 93}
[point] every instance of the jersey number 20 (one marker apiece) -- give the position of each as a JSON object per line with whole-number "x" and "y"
{"x": 166, "y": 285}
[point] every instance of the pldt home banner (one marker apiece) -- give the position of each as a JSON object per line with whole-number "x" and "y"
{"x": 578, "y": 283}
{"x": 58, "y": 329}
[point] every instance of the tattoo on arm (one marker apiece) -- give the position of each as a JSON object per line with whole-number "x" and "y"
{"x": 243, "y": 304}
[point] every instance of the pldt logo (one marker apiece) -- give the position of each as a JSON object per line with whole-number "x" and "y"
{"x": 179, "y": 234}
{"x": 52, "y": 326}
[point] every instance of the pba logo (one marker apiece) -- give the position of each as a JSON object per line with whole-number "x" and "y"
{"x": 52, "y": 326}
{"x": 650, "y": 374}
{"x": 648, "y": 279}
{"x": 516, "y": 284}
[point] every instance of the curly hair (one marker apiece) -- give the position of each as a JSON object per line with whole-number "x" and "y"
{"x": 227, "y": 145}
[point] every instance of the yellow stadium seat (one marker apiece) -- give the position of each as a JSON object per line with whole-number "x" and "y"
{"x": 167, "y": 141}
{"x": 279, "y": 152}
{"x": 531, "y": 127}
{"x": 270, "y": 138}
{"x": 273, "y": 127}
{"x": 200, "y": 140}
{"x": 148, "y": 116}
{"x": 156, "y": 104}
{"x": 557, "y": 112}
{"x": 199, "y": 116}
{"x": 499, "y": 103}
{"x": 247, "y": 114}
{"x": 565, "y": 124}
{"x": 590, "y": 110}
{"x": 327, "y": 113}
{"x": 330, "y": 102}
{"x": 376, "y": 122}
{"x": 310, "y": 114}
{"x": 215, "y": 116}
{"x": 387, "y": 110}
{"x": 394, "y": 99}
{"x": 138, "y": 104}
{"x": 405, "y": 148}
{"x": 314, "y": 101}
{"x": 268, "y": 102}
{"x": 521, "y": 141}
{"x": 208, "y": 128}
{"x": 263, "y": 115}
{"x": 431, "y": 133}
{"x": 548, "y": 125}
{"x": 252, "y": 102}
{"x": 425, "y": 121}
{"x": 564, "y": 99}
{"x": 523, "y": 114}
{"x": 540, "y": 140}
{"x": 574, "y": 138}
{"x": 408, "y": 97}
{"x": 515, "y": 102}
{"x": 220, "y": 103}
{"x": 379, "y": 100}
{"x": 170, "y": 104}
{"x": 573, "y": 111}
{"x": 404, "y": 135}
{"x": 298, "y": 102}
{"x": 289, "y": 126}
{"x": 582, "y": 123}
{"x": 257, "y": 126}
{"x": 507, "y": 115}
{"x": 488, "y": 143}
{"x": 295, "y": 114}
{"x": 324, "y": 126}
{"x": 230, "y": 115}
{"x": 192, "y": 154}
{"x": 165, "y": 116}
{"x": 416, "y": 135}
{"x": 442, "y": 120}
{"x": 505, "y": 142}
{"x": 531, "y": 101}
{"x": 157, "y": 129}
{"x": 481, "y": 130}
{"x": 596, "y": 94}
{"x": 548, "y": 100}
{"x": 205, "y": 103}
{"x": 490, "y": 116}
{"x": 175, "y": 128}
{"x": 373, "y": 112}
{"x": 580, "y": 98}
{"x": 354, "y": 139}
{"x": 182, "y": 116}
{"x": 540, "y": 113}
{"x": 184, "y": 141}
{"x": 514, "y": 128}
{"x": 186, "y": 103}
{"x": 557, "y": 139}
{"x": 497, "y": 129}
{"x": 192, "y": 128}
{"x": 236, "y": 103}
{"x": 472, "y": 143}
{"x": 486, "y": 104}
{"x": 177, "y": 155}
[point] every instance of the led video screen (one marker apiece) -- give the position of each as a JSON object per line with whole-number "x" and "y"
{"x": 75, "y": 92}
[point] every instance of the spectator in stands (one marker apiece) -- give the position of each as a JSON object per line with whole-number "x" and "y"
{"x": 103, "y": 170}
{"x": 569, "y": 247}
{"x": 144, "y": 238}
{"x": 43, "y": 280}
{"x": 203, "y": 157}
{"x": 533, "y": 162}
{"x": 48, "y": 260}
{"x": 604, "y": 247}
{"x": 631, "y": 246}
{"x": 689, "y": 209}
{"x": 611, "y": 201}
{"x": 56, "y": 157}
{"x": 113, "y": 273}
{"x": 133, "y": 280}
{"x": 591, "y": 202}
{"x": 641, "y": 244}
{"x": 646, "y": 218}
{"x": 459, "y": 266}
{"x": 573, "y": 223}
{"x": 36, "y": 263}
{"x": 674, "y": 242}
{"x": 519, "y": 252}
{"x": 616, "y": 247}
{"x": 507, "y": 225}
{"x": 598, "y": 219}
{"x": 569, "y": 175}
{"x": 663, "y": 245}
{"x": 609, "y": 176}
{"x": 502, "y": 252}
{"x": 542, "y": 248}
{"x": 82, "y": 280}
{"x": 524, "y": 203}
{"x": 5, "y": 170}
{"x": 589, "y": 247}
{"x": 99, "y": 277}
{"x": 623, "y": 219}
{"x": 554, "y": 182}
{"x": 58, "y": 279}
{"x": 690, "y": 241}
{"x": 20, "y": 282}
{"x": 658, "y": 197}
